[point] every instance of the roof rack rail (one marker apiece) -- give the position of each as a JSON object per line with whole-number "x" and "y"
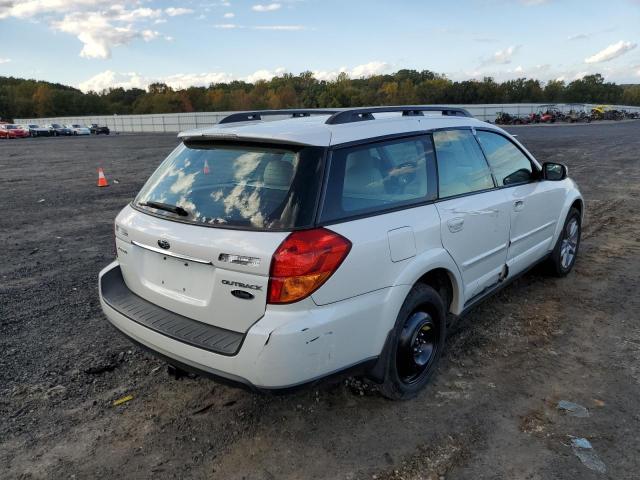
{"x": 366, "y": 113}
{"x": 258, "y": 114}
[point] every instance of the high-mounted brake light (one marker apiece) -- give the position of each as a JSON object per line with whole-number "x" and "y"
{"x": 303, "y": 262}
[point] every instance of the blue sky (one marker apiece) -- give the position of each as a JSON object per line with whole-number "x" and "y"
{"x": 95, "y": 44}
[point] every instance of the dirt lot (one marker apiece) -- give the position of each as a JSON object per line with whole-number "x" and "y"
{"x": 491, "y": 412}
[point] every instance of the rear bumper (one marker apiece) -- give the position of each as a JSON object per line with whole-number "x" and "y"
{"x": 287, "y": 347}
{"x": 116, "y": 294}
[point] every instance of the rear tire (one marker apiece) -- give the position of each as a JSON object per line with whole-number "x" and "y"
{"x": 564, "y": 254}
{"x": 416, "y": 344}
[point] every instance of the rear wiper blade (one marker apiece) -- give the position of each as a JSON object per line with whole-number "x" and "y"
{"x": 165, "y": 206}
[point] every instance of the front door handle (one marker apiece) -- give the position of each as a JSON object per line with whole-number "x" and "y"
{"x": 455, "y": 224}
{"x": 518, "y": 205}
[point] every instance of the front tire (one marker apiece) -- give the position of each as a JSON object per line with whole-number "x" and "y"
{"x": 564, "y": 254}
{"x": 416, "y": 344}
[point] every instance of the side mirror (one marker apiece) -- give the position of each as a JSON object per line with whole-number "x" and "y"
{"x": 554, "y": 171}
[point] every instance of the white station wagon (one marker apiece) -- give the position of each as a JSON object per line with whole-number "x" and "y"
{"x": 275, "y": 253}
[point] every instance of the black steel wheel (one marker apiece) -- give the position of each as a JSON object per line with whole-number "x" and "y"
{"x": 415, "y": 345}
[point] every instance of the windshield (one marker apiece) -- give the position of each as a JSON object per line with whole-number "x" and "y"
{"x": 11, "y": 127}
{"x": 33, "y": 126}
{"x": 241, "y": 186}
{"x": 55, "y": 125}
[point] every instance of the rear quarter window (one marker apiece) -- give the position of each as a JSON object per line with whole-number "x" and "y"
{"x": 372, "y": 178}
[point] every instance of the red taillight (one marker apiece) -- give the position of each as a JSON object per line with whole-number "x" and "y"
{"x": 303, "y": 262}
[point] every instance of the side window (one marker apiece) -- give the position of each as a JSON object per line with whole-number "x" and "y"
{"x": 510, "y": 166}
{"x": 379, "y": 176}
{"x": 462, "y": 167}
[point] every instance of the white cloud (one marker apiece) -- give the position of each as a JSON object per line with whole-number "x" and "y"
{"x": 486, "y": 40}
{"x": 271, "y": 7}
{"x": 579, "y": 36}
{"x": 502, "y": 57}
{"x": 264, "y": 75}
{"x": 612, "y": 51}
{"x": 31, "y": 8}
{"x": 291, "y": 28}
{"x": 100, "y": 25}
{"x": 4, "y": 60}
{"x": 185, "y": 80}
{"x": 229, "y": 15}
{"x": 359, "y": 71}
{"x": 174, "y": 12}
{"x": 99, "y": 34}
{"x": 120, "y": 14}
{"x": 285, "y": 28}
{"x": 369, "y": 69}
{"x": 111, "y": 79}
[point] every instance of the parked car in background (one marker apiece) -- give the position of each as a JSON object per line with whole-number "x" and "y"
{"x": 56, "y": 129}
{"x": 10, "y": 130}
{"x": 97, "y": 130}
{"x": 77, "y": 129}
{"x": 273, "y": 254}
{"x": 36, "y": 130}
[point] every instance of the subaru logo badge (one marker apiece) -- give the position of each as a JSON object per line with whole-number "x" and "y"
{"x": 164, "y": 244}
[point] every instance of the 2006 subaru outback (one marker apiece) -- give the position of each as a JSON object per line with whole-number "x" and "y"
{"x": 274, "y": 253}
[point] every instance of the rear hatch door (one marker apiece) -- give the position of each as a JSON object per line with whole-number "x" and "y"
{"x": 215, "y": 276}
{"x": 199, "y": 238}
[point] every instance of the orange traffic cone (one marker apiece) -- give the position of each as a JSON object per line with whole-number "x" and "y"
{"x": 205, "y": 169}
{"x": 102, "y": 181}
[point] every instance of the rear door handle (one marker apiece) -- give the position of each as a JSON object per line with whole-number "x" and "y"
{"x": 518, "y": 205}
{"x": 455, "y": 224}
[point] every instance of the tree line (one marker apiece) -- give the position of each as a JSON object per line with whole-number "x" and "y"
{"x": 21, "y": 98}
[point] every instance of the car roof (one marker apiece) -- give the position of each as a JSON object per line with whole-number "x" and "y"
{"x": 313, "y": 130}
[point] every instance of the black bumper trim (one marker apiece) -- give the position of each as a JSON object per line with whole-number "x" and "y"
{"x": 117, "y": 295}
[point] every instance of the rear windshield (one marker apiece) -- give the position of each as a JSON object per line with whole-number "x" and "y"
{"x": 237, "y": 186}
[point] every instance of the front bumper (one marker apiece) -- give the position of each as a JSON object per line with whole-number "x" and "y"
{"x": 289, "y": 346}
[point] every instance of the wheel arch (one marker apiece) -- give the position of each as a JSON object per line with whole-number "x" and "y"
{"x": 573, "y": 199}
{"x": 438, "y": 270}
{"x": 578, "y": 204}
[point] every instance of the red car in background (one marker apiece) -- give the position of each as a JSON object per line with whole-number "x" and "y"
{"x": 9, "y": 130}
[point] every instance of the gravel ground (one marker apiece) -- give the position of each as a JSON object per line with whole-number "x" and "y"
{"x": 491, "y": 412}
